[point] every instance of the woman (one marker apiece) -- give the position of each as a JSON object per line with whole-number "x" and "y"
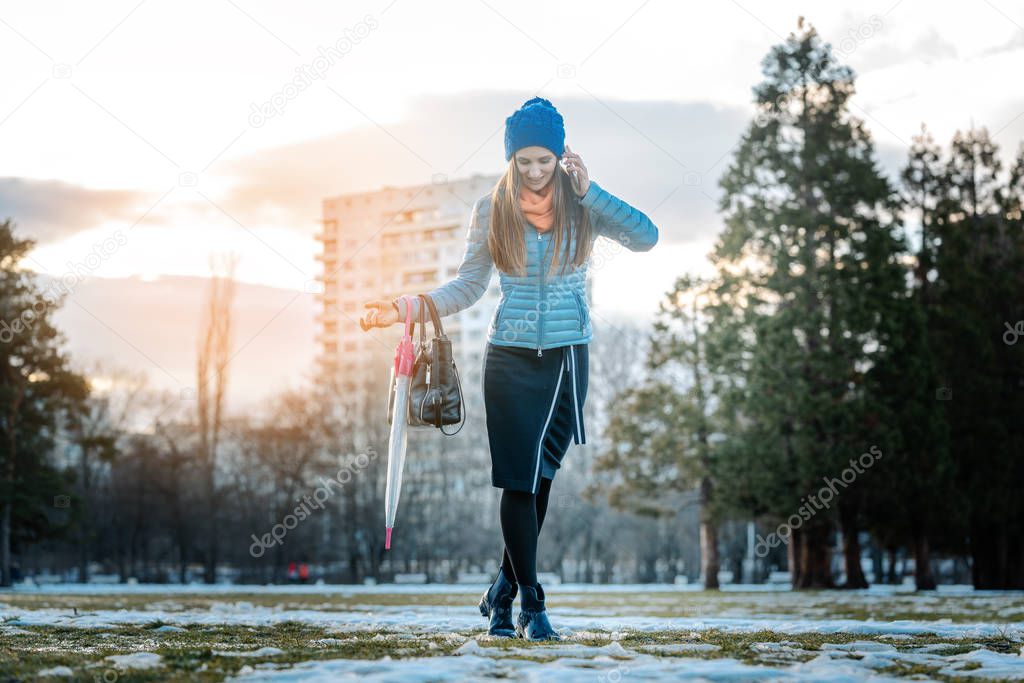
{"x": 537, "y": 217}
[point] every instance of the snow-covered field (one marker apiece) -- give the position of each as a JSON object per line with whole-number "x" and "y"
{"x": 435, "y": 633}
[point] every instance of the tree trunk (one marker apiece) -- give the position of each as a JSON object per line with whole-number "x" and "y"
{"x": 924, "y": 580}
{"x": 893, "y": 575}
{"x": 984, "y": 558}
{"x": 710, "y": 561}
{"x": 83, "y": 548}
{"x": 84, "y": 527}
{"x": 6, "y": 521}
{"x": 1017, "y": 576}
{"x": 353, "y": 564}
{"x": 119, "y": 554}
{"x": 5, "y": 544}
{"x": 793, "y": 551}
{"x": 815, "y": 558}
{"x": 1002, "y": 560}
{"x": 182, "y": 571}
{"x": 709, "y": 557}
{"x": 210, "y": 556}
{"x": 851, "y": 548}
{"x": 977, "y": 563}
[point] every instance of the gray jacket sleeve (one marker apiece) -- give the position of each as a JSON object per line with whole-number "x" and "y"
{"x": 617, "y": 220}
{"x": 474, "y": 272}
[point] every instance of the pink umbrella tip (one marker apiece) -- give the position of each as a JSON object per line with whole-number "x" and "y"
{"x": 387, "y": 539}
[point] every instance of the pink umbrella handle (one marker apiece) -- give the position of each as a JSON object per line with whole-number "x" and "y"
{"x": 408, "y": 315}
{"x": 387, "y": 538}
{"x": 404, "y": 356}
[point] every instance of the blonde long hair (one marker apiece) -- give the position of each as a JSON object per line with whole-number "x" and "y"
{"x": 506, "y": 237}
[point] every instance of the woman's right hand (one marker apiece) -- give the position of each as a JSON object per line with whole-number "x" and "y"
{"x": 382, "y": 314}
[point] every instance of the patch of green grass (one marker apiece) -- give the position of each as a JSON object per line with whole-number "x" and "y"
{"x": 185, "y": 652}
{"x": 907, "y": 670}
{"x": 191, "y": 652}
{"x": 669, "y": 604}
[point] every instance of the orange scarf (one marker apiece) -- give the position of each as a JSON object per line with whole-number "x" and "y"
{"x": 537, "y": 206}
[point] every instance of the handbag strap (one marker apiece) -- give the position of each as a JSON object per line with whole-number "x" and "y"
{"x": 461, "y": 401}
{"x": 434, "y": 317}
{"x": 408, "y": 316}
{"x": 423, "y": 327}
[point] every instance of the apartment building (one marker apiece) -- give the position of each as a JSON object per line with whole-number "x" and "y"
{"x": 379, "y": 245}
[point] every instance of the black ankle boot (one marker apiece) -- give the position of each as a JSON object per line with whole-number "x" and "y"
{"x": 533, "y": 621}
{"x": 496, "y": 604}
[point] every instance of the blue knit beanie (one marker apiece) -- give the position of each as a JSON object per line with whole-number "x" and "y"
{"x": 537, "y": 122}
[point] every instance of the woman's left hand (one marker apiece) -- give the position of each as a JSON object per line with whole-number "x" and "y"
{"x": 574, "y": 164}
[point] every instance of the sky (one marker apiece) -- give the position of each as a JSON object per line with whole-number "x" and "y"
{"x": 171, "y": 131}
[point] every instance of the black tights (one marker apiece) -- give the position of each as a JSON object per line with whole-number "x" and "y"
{"x": 522, "y": 515}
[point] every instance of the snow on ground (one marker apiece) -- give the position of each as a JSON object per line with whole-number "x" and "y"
{"x": 610, "y": 633}
{"x": 437, "y": 619}
{"x": 859, "y": 661}
{"x": 435, "y": 588}
{"x": 136, "y": 660}
{"x": 569, "y": 669}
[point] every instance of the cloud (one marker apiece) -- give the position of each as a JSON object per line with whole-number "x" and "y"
{"x": 1016, "y": 42}
{"x": 663, "y": 157}
{"x": 51, "y": 210}
{"x": 927, "y": 48}
{"x": 152, "y": 327}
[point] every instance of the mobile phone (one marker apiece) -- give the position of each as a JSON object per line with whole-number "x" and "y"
{"x": 575, "y": 179}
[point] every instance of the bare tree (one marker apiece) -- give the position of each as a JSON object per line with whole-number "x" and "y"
{"x": 289, "y": 445}
{"x": 213, "y": 356}
{"x": 95, "y": 430}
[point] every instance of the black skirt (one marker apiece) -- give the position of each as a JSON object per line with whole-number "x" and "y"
{"x": 534, "y": 407}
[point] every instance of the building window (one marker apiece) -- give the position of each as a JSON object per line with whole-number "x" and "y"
{"x": 418, "y": 277}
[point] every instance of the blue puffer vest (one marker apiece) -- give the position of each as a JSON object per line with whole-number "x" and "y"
{"x": 540, "y": 309}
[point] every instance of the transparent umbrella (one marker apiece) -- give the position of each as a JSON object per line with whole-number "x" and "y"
{"x": 401, "y": 375}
